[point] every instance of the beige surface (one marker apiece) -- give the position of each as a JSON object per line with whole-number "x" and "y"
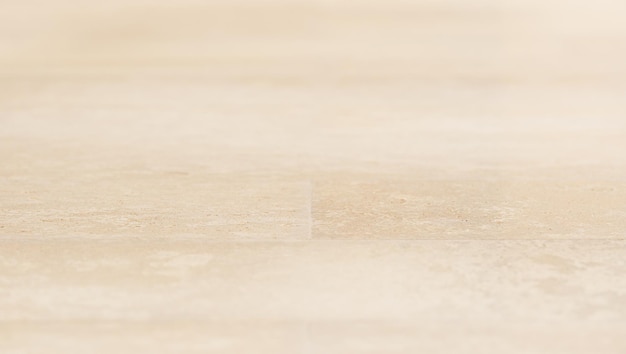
{"x": 313, "y": 176}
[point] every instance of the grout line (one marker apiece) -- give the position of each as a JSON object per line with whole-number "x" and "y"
{"x": 310, "y": 211}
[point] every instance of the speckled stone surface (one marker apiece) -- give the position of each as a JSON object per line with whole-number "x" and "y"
{"x": 313, "y": 176}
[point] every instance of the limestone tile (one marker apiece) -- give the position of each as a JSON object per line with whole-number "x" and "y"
{"x": 463, "y": 337}
{"x": 318, "y": 337}
{"x": 158, "y": 337}
{"x": 557, "y": 282}
{"x": 411, "y": 205}
{"x": 62, "y": 200}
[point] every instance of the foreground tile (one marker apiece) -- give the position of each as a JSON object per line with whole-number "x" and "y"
{"x": 319, "y": 337}
{"x": 538, "y": 281}
{"x": 64, "y": 198}
{"x": 409, "y": 206}
{"x": 151, "y": 337}
{"x": 464, "y": 337}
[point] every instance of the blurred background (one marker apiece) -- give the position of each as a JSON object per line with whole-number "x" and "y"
{"x": 504, "y": 42}
{"x": 308, "y": 79}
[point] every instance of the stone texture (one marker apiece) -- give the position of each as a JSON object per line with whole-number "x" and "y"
{"x": 312, "y": 176}
{"x": 358, "y": 206}
{"x": 535, "y": 281}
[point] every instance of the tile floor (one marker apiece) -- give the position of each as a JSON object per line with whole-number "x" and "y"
{"x": 313, "y": 176}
